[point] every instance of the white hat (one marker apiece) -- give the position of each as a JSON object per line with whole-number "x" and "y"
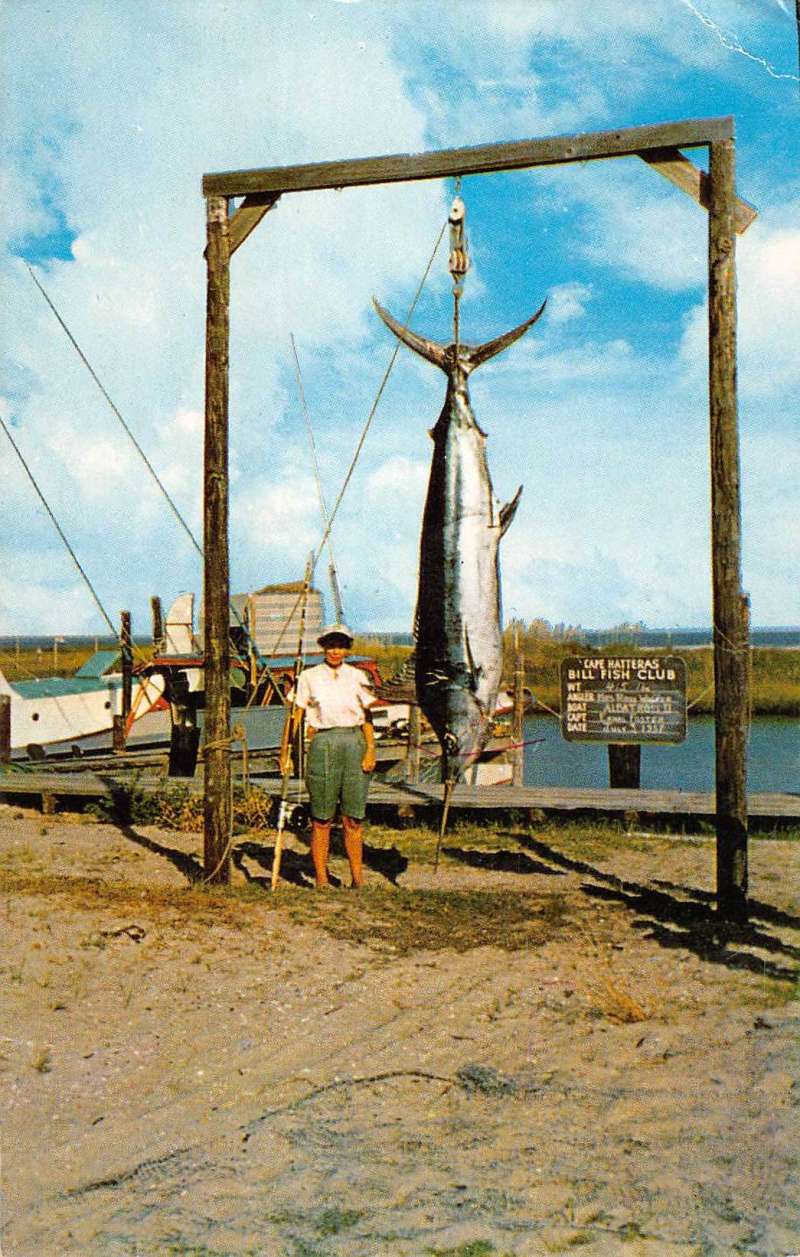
{"x": 335, "y": 630}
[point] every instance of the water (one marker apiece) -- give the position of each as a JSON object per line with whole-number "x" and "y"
{"x": 773, "y": 758}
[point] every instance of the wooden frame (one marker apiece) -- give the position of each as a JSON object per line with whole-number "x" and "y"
{"x": 660, "y": 146}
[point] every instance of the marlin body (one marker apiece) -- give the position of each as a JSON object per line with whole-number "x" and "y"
{"x": 459, "y": 654}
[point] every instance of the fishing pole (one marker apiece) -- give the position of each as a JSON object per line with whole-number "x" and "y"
{"x": 332, "y": 575}
{"x": 288, "y": 728}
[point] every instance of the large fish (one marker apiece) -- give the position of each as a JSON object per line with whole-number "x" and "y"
{"x": 459, "y": 654}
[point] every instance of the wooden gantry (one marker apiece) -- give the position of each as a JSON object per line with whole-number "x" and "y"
{"x": 660, "y": 147}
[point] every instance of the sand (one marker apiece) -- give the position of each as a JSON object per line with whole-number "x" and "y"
{"x": 546, "y": 1047}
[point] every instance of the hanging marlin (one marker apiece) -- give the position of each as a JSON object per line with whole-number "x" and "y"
{"x": 459, "y": 654}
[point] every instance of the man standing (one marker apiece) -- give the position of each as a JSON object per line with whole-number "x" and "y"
{"x": 336, "y": 699}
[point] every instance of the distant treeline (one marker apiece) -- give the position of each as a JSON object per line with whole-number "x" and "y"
{"x": 775, "y": 670}
{"x": 631, "y": 634}
{"x": 775, "y": 675}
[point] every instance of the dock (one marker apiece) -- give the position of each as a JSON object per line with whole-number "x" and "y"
{"x": 48, "y": 788}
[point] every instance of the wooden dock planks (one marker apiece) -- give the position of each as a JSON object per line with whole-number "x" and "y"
{"x": 90, "y": 785}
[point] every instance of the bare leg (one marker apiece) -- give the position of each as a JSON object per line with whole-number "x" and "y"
{"x": 320, "y": 842}
{"x": 354, "y": 846}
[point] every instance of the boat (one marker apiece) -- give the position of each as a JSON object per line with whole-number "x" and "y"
{"x": 54, "y": 712}
{"x": 52, "y": 715}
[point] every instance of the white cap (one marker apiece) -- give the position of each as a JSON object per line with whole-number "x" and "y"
{"x": 335, "y": 630}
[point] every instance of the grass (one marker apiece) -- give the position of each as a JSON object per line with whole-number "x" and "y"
{"x": 775, "y": 673}
{"x": 401, "y": 922}
{"x": 472, "y": 1248}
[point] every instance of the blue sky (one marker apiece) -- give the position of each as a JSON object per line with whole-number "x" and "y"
{"x": 112, "y": 113}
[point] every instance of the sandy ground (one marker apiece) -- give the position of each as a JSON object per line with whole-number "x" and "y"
{"x": 547, "y": 1047}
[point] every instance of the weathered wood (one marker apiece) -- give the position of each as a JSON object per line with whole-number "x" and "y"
{"x": 217, "y": 805}
{"x": 247, "y": 217}
{"x": 671, "y": 163}
{"x": 518, "y": 717}
{"x": 118, "y": 733}
{"x": 5, "y": 728}
{"x": 87, "y": 784}
{"x": 414, "y": 752}
{"x": 482, "y": 159}
{"x": 158, "y": 622}
{"x": 126, "y": 648}
{"x": 730, "y": 635}
{"x": 624, "y": 765}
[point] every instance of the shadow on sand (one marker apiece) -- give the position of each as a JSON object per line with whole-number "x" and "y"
{"x": 296, "y": 867}
{"x": 681, "y": 916}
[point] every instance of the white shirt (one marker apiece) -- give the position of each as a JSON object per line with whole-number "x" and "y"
{"x": 334, "y": 697}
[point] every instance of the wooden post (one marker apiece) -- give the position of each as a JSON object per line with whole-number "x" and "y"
{"x": 624, "y": 765}
{"x": 517, "y": 722}
{"x": 158, "y": 623}
{"x": 730, "y": 634}
{"x": 217, "y": 810}
{"x": 127, "y": 662}
{"x": 414, "y": 750}
{"x": 5, "y": 728}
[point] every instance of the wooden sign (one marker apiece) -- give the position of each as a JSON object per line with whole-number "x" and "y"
{"x": 626, "y": 698}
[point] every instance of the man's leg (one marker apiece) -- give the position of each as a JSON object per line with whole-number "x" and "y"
{"x": 320, "y": 842}
{"x": 354, "y": 846}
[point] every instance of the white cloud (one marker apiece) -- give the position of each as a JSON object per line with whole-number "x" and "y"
{"x": 568, "y": 301}
{"x": 768, "y": 315}
{"x": 114, "y": 114}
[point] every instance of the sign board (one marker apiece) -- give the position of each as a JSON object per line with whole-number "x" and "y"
{"x": 625, "y": 698}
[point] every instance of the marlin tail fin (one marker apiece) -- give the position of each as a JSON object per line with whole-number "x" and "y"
{"x": 478, "y": 354}
{"x": 428, "y": 349}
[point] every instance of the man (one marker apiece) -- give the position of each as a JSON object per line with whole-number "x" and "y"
{"x": 336, "y": 699}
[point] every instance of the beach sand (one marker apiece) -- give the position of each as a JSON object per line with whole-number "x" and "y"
{"x": 548, "y": 1046}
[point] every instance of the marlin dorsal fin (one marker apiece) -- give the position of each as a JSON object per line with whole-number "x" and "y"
{"x": 508, "y": 512}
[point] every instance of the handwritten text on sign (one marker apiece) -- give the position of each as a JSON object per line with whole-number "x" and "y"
{"x": 630, "y": 698}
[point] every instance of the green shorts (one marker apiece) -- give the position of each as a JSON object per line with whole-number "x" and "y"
{"x": 334, "y": 773}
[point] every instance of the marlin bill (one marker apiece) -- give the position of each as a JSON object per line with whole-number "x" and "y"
{"x": 459, "y": 653}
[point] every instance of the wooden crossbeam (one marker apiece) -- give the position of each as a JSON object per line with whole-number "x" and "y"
{"x": 481, "y": 159}
{"x": 248, "y": 215}
{"x": 671, "y": 163}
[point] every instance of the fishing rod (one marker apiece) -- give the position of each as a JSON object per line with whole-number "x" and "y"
{"x": 288, "y": 728}
{"x": 332, "y": 576}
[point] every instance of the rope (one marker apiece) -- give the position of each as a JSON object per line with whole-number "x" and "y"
{"x": 364, "y": 432}
{"x": 102, "y": 389}
{"x": 134, "y": 648}
{"x": 731, "y": 647}
{"x": 58, "y": 528}
{"x": 238, "y": 734}
{"x": 221, "y": 744}
{"x": 383, "y": 384}
{"x": 140, "y": 451}
{"x": 544, "y": 707}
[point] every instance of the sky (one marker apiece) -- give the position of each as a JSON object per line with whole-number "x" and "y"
{"x": 112, "y": 113}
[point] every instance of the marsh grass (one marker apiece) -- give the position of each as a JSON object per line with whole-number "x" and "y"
{"x": 384, "y": 919}
{"x": 401, "y": 922}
